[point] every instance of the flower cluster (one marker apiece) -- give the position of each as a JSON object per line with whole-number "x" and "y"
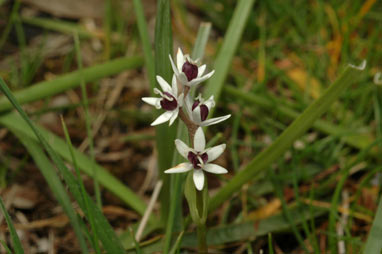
{"x": 172, "y": 99}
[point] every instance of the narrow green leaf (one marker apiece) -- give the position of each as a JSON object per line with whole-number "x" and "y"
{"x": 89, "y": 132}
{"x": 270, "y": 244}
{"x": 244, "y": 231}
{"x": 163, "y": 40}
{"x": 279, "y": 191}
{"x": 136, "y": 244}
{"x": 95, "y": 240}
{"x": 10, "y": 23}
{"x": 15, "y": 122}
{"x": 174, "y": 220}
{"x": 61, "y": 26}
{"x": 68, "y": 81}
{"x": 55, "y": 184}
{"x": 332, "y": 227}
{"x": 165, "y": 134}
{"x": 146, "y": 44}
{"x": 15, "y": 238}
{"x": 227, "y": 51}
{"x": 201, "y": 40}
{"x": 198, "y": 208}
{"x": 275, "y": 151}
{"x": 177, "y": 243}
{"x": 373, "y": 242}
{"x": 104, "y": 230}
{"x": 5, "y": 247}
{"x": 357, "y": 140}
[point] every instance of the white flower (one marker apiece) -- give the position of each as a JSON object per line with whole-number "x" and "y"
{"x": 187, "y": 71}
{"x": 199, "y": 159}
{"x": 199, "y": 109}
{"x": 169, "y": 101}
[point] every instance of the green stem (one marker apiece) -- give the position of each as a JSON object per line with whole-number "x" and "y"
{"x": 202, "y": 239}
{"x": 201, "y": 228}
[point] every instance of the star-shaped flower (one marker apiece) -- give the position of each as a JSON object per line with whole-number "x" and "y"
{"x": 199, "y": 109}
{"x": 187, "y": 70}
{"x": 169, "y": 101}
{"x": 199, "y": 159}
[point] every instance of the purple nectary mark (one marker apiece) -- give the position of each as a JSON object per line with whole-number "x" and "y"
{"x": 193, "y": 158}
{"x": 190, "y": 70}
{"x": 203, "y": 112}
{"x": 167, "y": 104}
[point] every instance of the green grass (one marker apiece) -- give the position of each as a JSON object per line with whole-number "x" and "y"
{"x": 304, "y": 128}
{"x": 18, "y": 249}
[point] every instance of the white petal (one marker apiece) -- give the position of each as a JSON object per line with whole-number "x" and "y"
{"x": 174, "y": 86}
{"x": 196, "y": 115}
{"x": 162, "y": 118}
{"x": 201, "y": 79}
{"x": 182, "y": 148}
{"x": 181, "y": 168}
{"x": 210, "y": 102}
{"x": 198, "y": 179}
{"x": 199, "y": 140}
{"x": 154, "y": 101}
{"x": 201, "y": 70}
{"x": 215, "y": 152}
{"x": 174, "y": 116}
{"x": 188, "y": 103}
{"x": 164, "y": 85}
{"x": 183, "y": 79}
{"x": 215, "y": 120}
{"x": 215, "y": 169}
{"x": 174, "y": 68}
{"x": 179, "y": 59}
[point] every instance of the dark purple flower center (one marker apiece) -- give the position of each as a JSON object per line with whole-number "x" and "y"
{"x": 191, "y": 70}
{"x": 196, "y": 103}
{"x": 194, "y": 159}
{"x": 167, "y": 104}
{"x": 203, "y": 110}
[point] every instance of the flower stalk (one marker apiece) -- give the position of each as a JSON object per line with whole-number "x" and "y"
{"x": 176, "y": 101}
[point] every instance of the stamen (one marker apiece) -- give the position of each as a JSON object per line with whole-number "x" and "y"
{"x": 157, "y": 91}
{"x": 197, "y": 160}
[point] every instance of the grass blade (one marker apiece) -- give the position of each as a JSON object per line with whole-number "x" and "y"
{"x": 275, "y": 151}
{"x": 165, "y": 135}
{"x": 373, "y": 242}
{"x": 201, "y": 40}
{"x": 356, "y": 140}
{"x": 146, "y": 44}
{"x": 245, "y": 230}
{"x": 136, "y": 244}
{"x": 5, "y": 247}
{"x": 177, "y": 243}
{"x": 104, "y": 230}
{"x": 15, "y": 122}
{"x": 61, "y": 26}
{"x": 55, "y": 184}
{"x": 68, "y": 81}
{"x": 85, "y": 103}
{"x": 10, "y": 23}
{"x": 227, "y": 51}
{"x": 95, "y": 240}
{"x": 15, "y": 238}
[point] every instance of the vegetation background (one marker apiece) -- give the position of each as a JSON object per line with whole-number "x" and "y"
{"x": 91, "y": 61}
